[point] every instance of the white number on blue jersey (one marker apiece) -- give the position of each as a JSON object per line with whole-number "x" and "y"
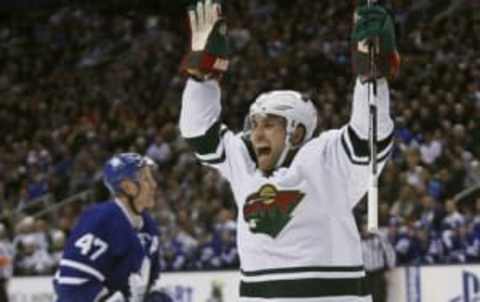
{"x": 89, "y": 244}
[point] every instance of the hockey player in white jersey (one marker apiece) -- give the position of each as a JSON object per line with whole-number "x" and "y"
{"x": 297, "y": 237}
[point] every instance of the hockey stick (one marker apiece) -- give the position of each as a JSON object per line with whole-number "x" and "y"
{"x": 372, "y": 137}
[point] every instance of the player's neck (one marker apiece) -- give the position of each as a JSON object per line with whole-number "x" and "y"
{"x": 135, "y": 220}
{"x": 287, "y": 162}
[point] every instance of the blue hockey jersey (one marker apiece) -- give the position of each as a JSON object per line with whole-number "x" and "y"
{"x": 103, "y": 250}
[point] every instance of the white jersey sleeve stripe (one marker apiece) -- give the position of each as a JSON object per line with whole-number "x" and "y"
{"x": 303, "y": 275}
{"x": 71, "y": 280}
{"x": 83, "y": 268}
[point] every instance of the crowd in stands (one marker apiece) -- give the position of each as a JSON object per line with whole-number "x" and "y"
{"x": 77, "y": 86}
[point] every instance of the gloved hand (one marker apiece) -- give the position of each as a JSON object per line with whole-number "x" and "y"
{"x": 373, "y": 24}
{"x": 208, "y": 57}
{"x": 138, "y": 282}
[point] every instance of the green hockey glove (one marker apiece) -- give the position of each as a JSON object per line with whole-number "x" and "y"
{"x": 373, "y": 24}
{"x": 208, "y": 56}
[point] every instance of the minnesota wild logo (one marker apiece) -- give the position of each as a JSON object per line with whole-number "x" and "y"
{"x": 268, "y": 210}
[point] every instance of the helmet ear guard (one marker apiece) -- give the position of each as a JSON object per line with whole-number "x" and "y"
{"x": 297, "y": 144}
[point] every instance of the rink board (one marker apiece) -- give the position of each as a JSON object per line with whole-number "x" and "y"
{"x": 182, "y": 287}
{"x": 454, "y": 283}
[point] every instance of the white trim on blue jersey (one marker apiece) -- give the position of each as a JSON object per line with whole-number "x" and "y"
{"x": 71, "y": 280}
{"x": 82, "y": 268}
{"x": 135, "y": 220}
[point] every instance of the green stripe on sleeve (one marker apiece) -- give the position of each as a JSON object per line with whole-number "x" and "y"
{"x": 207, "y": 143}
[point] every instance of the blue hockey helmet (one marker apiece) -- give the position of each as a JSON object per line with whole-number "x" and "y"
{"x": 123, "y": 166}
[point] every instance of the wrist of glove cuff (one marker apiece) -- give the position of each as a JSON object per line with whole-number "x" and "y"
{"x": 209, "y": 52}
{"x": 386, "y": 65}
{"x": 202, "y": 65}
{"x": 374, "y": 26}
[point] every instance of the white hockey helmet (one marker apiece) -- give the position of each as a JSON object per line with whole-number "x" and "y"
{"x": 296, "y": 108}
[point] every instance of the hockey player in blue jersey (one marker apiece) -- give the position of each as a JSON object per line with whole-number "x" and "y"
{"x": 112, "y": 253}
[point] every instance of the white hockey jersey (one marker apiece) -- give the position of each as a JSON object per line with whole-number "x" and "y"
{"x": 297, "y": 236}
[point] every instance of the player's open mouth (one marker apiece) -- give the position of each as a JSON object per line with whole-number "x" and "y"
{"x": 263, "y": 151}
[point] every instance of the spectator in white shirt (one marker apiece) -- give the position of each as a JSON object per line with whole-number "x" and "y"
{"x": 24, "y": 229}
{"x": 34, "y": 260}
{"x": 160, "y": 151}
{"x": 454, "y": 217}
{"x": 41, "y": 233}
{"x": 431, "y": 148}
{"x": 57, "y": 244}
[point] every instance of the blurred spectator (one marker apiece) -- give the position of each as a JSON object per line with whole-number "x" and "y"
{"x": 430, "y": 213}
{"x": 41, "y": 234}
{"x": 414, "y": 170}
{"x": 24, "y": 229}
{"x": 57, "y": 244}
{"x": 7, "y": 255}
{"x": 406, "y": 204}
{"x": 33, "y": 260}
{"x": 453, "y": 218}
{"x": 159, "y": 150}
{"x": 431, "y": 147}
{"x": 458, "y": 244}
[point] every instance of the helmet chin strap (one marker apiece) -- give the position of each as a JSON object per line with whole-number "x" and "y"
{"x": 284, "y": 153}
{"x": 131, "y": 198}
{"x": 132, "y": 206}
{"x": 288, "y": 145}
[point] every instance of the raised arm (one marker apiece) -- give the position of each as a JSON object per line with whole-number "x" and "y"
{"x": 204, "y": 65}
{"x": 346, "y": 151}
{"x": 375, "y": 58}
{"x": 372, "y": 24}
{"x": 199, "y": 117}
{"x": 355, "y": 139}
